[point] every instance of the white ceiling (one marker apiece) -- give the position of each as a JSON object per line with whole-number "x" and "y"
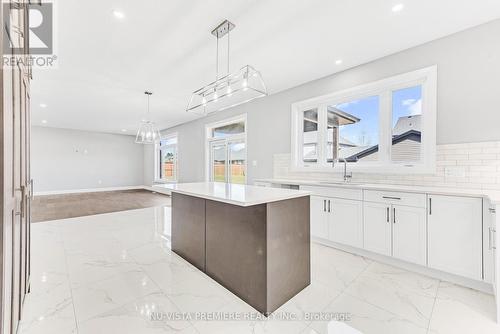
{"x": 105, "y": 63}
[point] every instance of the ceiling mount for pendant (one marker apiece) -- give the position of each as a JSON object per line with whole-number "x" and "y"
{"x": 147, "y": 133}
{"x": 222, "y": 29}
{"x": 230, "y": 90}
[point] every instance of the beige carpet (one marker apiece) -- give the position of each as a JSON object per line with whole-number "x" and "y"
{"x": 51, "y": 207}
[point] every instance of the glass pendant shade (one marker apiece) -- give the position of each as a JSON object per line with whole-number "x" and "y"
{"x": 229, "y": 91}
{"x": 147, "y": 133}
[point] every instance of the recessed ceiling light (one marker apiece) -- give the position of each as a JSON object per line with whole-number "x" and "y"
{"x": 124, "y": 130}
{"x": 44, "y": 121}
{"x": 118, "y": 14}
{"x": 338, "y": 62}
{"x": 397, "y": 8}
{"x": 43, "y": 105}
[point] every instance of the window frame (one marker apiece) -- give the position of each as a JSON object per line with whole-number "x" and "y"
{"x": 209, "y": 139}
{"x": 157, "y": 160}
{"x": 426, "y": 78}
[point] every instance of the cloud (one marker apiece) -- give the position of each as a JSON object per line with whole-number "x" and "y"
{"x": 416, "y": 108}
{"x": 408, "y": 102}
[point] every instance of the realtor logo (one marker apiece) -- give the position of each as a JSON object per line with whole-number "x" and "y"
{"x": 32, "y": 43}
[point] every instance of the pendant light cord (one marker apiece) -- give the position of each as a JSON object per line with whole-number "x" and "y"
{"x": 217, "y": 60}
{"x": 148, "y": 95}
{"x": 228, "y": 33}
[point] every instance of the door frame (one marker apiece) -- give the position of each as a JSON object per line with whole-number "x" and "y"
{"x": 209, "y": 140}
{"x": 226, "y": 142}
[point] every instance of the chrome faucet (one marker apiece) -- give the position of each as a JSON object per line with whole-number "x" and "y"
{"x": 347, "y": 177}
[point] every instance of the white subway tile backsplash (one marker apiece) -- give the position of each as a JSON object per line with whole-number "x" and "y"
{"x": 470, "y": 165}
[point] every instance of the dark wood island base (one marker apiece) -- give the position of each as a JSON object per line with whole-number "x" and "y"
{"x": 261, "y": 253}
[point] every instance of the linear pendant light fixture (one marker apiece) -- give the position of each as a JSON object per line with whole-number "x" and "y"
{"x": 230, "y": 90}
{"x": 147, "y": 133}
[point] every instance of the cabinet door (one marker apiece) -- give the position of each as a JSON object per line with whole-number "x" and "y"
{"x": 488, "y": 234}
{"x": 377, "y": 228}
{"x": 455, "y": 235}
{"x": 319, "y": 217}
{"x": 409, "y": 234}
{"x": 346, "y": 222}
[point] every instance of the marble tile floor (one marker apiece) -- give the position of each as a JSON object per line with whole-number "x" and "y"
{"x": 115, "y": 273}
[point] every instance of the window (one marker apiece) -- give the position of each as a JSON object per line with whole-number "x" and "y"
{"x": 166, "y": 162}
{"x": 226, "y": 151}
{"x": 353, "y": 127}
{"x": 384, "y": 126}
{"x": 310, "y": 137}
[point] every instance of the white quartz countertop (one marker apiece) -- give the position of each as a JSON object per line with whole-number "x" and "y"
{"x": 492, "y": 195}
{"x": 237, "y": 194}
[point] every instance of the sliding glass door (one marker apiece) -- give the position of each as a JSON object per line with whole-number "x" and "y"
{"x": 218, "y": 161}
{"x": 228, "y": 161}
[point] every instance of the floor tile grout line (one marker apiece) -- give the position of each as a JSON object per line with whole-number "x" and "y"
{"x": 342, "y": 291}
{"x": 162, "y": 291}
{"x": 378, "y": 306}
{"x": 69, "y": 279}
{"x": 433, "y": 305}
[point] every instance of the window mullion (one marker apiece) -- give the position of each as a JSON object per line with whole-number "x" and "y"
{"x": 385, "y": 133}
{"x": 322, "y": 135}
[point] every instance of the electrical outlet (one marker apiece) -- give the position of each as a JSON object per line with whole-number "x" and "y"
{"x": 254, "y": 163}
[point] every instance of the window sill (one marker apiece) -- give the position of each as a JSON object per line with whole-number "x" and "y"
{"x": 164, "y": 182}
{"x": 369, "y": 169}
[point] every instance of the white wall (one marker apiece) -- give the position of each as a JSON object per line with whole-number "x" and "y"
{"x": 70, "y": 159}
{"x": 468, "y": 100}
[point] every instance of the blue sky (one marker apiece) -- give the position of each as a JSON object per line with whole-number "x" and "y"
{"x": 405, "y": 102}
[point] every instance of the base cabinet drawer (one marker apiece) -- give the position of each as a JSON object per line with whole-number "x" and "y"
{"x": 455, "y": 235}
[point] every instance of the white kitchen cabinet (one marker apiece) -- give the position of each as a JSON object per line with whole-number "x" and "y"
{"x": 409, "y": 234}
{"x": 455, "y": 235}
{"x": 377, "y": 228}
{"x": 319, "y": 217}
{"x": 346, "y": 222}
{"x": 488, "y": 240}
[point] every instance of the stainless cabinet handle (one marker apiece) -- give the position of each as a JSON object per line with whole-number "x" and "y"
{"x": 492, "y": 210}
{"x": 493, "y": 238}
{"x": 389, "y": 197}
{"x": 31, "y": 189}
{"x": 329, "y": 206}
{"x": 387, "y": 214}
{"x": 324, "y": 205}
{"x": 430, "y": 206}
{"x": 394, "y": 215}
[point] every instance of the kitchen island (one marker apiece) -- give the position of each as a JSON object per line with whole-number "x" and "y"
{"x": 254, "y": 241}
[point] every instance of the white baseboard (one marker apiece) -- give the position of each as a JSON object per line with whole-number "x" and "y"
{"x": 76, "y": 191}
{"x": 467, "y": 282}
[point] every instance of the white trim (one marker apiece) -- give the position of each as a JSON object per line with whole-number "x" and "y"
{"x": 89, "y": 190}
{"x": 209, "y": 140}
{"x": 157, "y": 147}
{"x": 426, "y": 77}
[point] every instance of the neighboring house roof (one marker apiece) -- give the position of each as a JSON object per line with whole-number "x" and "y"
{"x": 342, "y": 118}
{"x": 343, "y": 141}
{"x": 347, "y": 152}
{"x": 409, "y": 135}
{"x": 407, "y": 123}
